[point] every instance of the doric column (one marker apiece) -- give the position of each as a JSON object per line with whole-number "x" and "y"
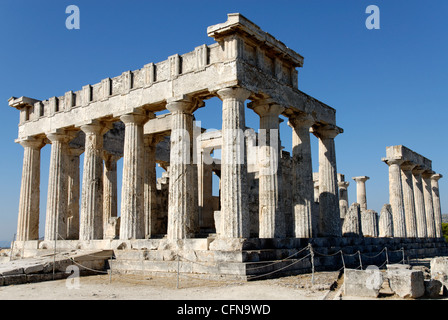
{"x": 436, "y": 204}
{"x": 329, "y": 216}
{"x": 56, "y": 217}
{"x": 271, "y": 217}
{"x": 429, "y": 209}
{"x": 132, "y": 224}
{"x": 182, "y": 211}
{"x": 28, "y": 220}
{"x": 385, "y": 224}
{"x": 73, "y": 193}
{"x": 234, "y": 198}
{"x": 361, "y": 197}
{"x": 205, "y": 189}
{"x": 343, "y": 196}
{"x": 305, "y": 222}
{"x": 110, "y": 198}
{"x": 420, "y": 216}
{"x": 396, "y": 198}
{"x": 408, "y": 200}
{"x": 91, "y": 224}
{"x": 150, "y": 182}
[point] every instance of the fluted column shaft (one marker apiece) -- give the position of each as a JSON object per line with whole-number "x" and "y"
{"x": 91, "y": 224}
{"x": 408, "y": 200}
{"x": 132, "y": 224}
{"x": 28, "y": 219}
{"x": 429, "y": 209}
{"x": 436, "y": 204}
{"x": 361, "y": 196}
{"x": 150, "y": 183}
{"x": 110, "y": 198}
{"x": 305, "y": 222}
{"x": 271, "y": 217}
{"x": 329, "y": 215}
{"x": 73, "y": 193}
{"x": 396, "y": 198}
{"x": 182, "y": 212}
{"x": 234, "y": 198}
{"x": 56, "y": 217}
{"x": 420, "y": 216}
{"x": 343, "y": 198}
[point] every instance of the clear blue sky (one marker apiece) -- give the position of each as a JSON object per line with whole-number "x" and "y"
{"x": 389, "y": 86}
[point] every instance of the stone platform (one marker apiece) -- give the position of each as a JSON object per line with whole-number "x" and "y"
{"x": 245, "y": 259}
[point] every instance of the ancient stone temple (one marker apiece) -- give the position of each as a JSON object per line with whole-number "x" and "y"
{"x": 266, "y": 202}
{"x": 414, "y": 194}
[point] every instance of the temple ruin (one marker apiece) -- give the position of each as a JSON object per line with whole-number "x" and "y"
{"x": 267, "y": 207}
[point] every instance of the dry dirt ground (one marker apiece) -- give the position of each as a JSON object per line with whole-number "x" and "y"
{"x": 139, "y": 287}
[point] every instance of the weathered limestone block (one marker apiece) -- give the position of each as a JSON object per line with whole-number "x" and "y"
{"x": 406, "y": 283}
{"x": 433, "y": 288}
{"x": 369, "y": 223}
{"x": 362, "y": 283}
{"x": 385, "y": 225}
{"x": 352, "y": 222}
{"x": 112, "y": 228}
{"x": 439, "y": 270}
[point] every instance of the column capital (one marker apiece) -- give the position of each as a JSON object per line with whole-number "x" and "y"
{"x": 62, "y": 136}
{"x": 96, "y": 127}
{"x": 139, "y": 117}
{"x": 343, "y": 184}
{"x": 361, "y": 178}
{"x": 301, "y": 120}
{"x": 266, "y": 107}
{"x": 427, "y": 174}
{"x": 31, "y": 142}
{"x": 152, "y": 139}
{"x": 327, "y": 131}
{"x": 185, "y": 105}
{"x": 76, "y": 152}
{"x": 436, "y": 177}
{"x": 390, "y": 162}
{"x": 408, "y": 166}
{"x": 233, "y": 93}
{"x": 418, "y": 170}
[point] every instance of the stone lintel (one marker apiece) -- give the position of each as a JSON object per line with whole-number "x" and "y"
{"x": 401, "y": 152}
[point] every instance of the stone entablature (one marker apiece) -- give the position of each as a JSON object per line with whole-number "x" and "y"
{"x": 245, "y": 56}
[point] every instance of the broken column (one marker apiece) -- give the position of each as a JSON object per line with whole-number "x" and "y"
{"x": 385, "y": 224}
{"x": 369, "y": 223}
{"x": 343, "y": 195}
{"x": 361, "y": 197}
{"x": 352, "y": 222}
